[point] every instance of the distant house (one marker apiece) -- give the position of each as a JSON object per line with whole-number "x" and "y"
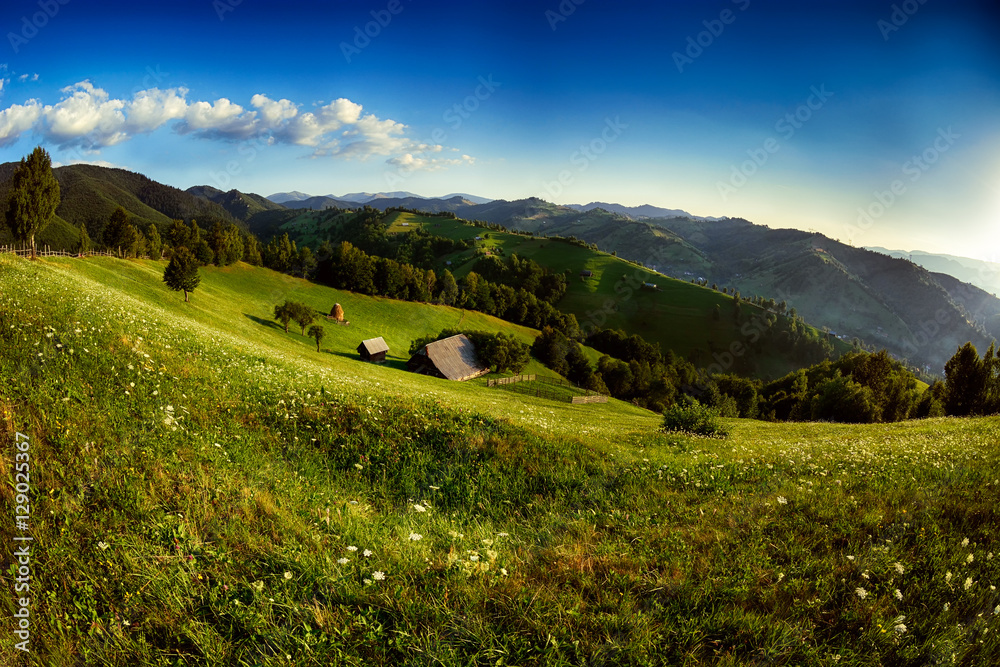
{"x": 451, "y": 358}
{"x": 649, "y": 285}
{"x": 373, "y": 349}
{"x": 586, "y": 273}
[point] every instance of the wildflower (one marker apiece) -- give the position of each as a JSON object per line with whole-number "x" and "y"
{"x": 352, "y": 548}
{"x": 898, "y": 594}
{"x": 366, "y": 553}
{"x": 368, "y": 582}
{"x": 947, "y": 606}
{"x": 782, "y": 500}
{"x": 434, "y": 488}
{"x": 378, "y": 575}
{"x": 965, "y": 542}
{"x": 850, "y": 558}
{"x": 288, "y": 575}
{"x": 947, "y": 577}
{"x": 969, "y": 558}
{"x": 487, "y": 542}
{"x": 103, "y": 545}
{"x": 968, "y": 583}
{"x": 862, "y": 593}
{"x": 359, "y": 466}
{"x": 900, "y": 628}
{"x": 419, "y": 508}
{"x": 781, "y": 575}
{"x": 899, "y": 568}
{"x": 416, "y": 537}
{"x": 503, "y": 571}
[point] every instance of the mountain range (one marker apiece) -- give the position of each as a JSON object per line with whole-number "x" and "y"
{"x": 921, "y": 314}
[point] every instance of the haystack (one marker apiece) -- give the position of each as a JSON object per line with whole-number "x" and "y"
{"x": 337, "y": 313}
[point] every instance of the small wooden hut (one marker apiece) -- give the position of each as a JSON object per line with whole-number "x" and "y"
{"x": 586, "y": 273}
{"x": 373, "y": 349}
{"x": 451, "y": 358}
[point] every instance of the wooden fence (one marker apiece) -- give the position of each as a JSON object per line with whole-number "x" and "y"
{"x": 547, "y": 388}
{"x": 510, "y": 380}
{"x": 46, "y": 251}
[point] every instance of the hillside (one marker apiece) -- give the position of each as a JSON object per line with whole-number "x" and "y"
{"x": 676, "y": 314}
{"x": 90, "y": 194}
{"x": 883, "y": 301}
{"x": 240, "y": 205}
{"x": 207, "y": 489}
{"x": 984, "y": 275}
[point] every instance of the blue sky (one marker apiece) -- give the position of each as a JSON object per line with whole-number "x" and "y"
{"x": 874, "y": 123}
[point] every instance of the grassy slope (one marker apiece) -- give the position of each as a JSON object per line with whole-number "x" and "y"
{"x": 678, "y": 316}
{"x": 194, "y": 489}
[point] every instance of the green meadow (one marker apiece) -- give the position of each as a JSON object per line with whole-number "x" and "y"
{"x": 207, "y": 489}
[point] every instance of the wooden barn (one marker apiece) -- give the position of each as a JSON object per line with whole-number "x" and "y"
{"x": 586, "y": 273}
{"x": 450, "y": 358}
{"x": 373, "y": 349}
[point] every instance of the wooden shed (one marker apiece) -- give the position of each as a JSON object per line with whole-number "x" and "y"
{"x": 451, "y": 358}
{"x": 373, "y": 349}
{"x": 586, "y": 273}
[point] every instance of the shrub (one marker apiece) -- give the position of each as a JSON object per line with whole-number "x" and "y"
{"x": 690, "y": 416}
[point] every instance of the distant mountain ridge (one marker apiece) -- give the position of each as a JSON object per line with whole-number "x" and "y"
{"x": 291, "y": 199}
{"x": 638, "y": 212}
{"x": 982, "y": 274}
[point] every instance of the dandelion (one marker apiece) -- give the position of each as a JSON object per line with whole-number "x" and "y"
{"x": 782, "y": 500}
{"x": 416, "y": 537}
{"x": 378, "y": 575}
{"x": 862, "y": 593}
{"x": 899, "y": 568}
{"x": 343, "y": 561}
{"x": 898, "y": 594}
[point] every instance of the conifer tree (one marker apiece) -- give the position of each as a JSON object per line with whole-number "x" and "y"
{"x": 33, "y": 198}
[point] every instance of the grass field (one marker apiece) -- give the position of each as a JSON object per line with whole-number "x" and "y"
{"x": 206, "y": 489}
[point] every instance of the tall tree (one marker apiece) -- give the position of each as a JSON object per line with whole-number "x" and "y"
{"x": 283, "y": 312}
{"x": 85, "y": 243}
{"x": 34, "y": 197}
{"x": 965, "y": 379}
{"x": 181, "y": 273}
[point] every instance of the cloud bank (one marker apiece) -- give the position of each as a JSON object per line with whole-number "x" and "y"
{"x": 88, "y": 118}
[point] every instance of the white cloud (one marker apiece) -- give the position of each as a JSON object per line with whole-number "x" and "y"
{"x": 18, "y": 118}
{"x": 222, "y": 119}
{"x": 150, "y": 109}
{"x": 89, "y": 118}
{"x": 27, "y": 77}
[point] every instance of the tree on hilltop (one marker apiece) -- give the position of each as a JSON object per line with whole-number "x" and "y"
{"x": 33, "y": 198}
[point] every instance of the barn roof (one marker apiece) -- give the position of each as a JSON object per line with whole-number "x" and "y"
{"x": 455, "y": 357}
{"x": 375, "y": 345}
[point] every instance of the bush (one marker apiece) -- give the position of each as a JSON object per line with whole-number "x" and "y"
{"x": 690, "y": 416}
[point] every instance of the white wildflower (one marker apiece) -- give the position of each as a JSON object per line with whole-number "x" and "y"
{"x": 378, "y": 575}
{"x": 416, "y": 537}
{"x": 343, "y": 561}
{"x": 862, "y": 593}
